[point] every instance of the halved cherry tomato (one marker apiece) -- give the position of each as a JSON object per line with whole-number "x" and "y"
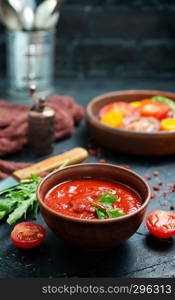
{"x": 157, "y": 110}
{"x": 167, "y": 124}
{"x": 121, "y": 107}
{"x": 28, "y": 235}
{"x": 140, "y": 124}
{"x": 112, "y": 118}
{"x": 161, "y": 223}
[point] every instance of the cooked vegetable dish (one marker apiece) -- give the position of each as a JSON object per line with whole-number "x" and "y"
{"x": 148, "y": 115}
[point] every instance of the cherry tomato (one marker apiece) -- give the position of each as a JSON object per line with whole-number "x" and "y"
{"x": 161, "y": 223}
{"x": 27, "y": 235}
{"x": 121, "y": 107}
{"x": 157, "y": 110}
{"x": 168, "y": 124}
{"x": 140, "y": 124}
{"x": 106, "y": 109}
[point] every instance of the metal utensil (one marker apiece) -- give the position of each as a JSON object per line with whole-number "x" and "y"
{"x": 24, "y": 8}
{"x": 44, "y": 14}
{"x": 32, "y": 3}
{"x": 9, "y": 16}
{"x": 52, "y": 21}
{"x": 17, "y": 5}
{"x": 27, "y": 17}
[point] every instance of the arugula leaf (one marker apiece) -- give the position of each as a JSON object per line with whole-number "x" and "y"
{"x": 104, "y": 209}
{"x": 20, "y": 211}
{"x": 115, "y": 213}
{"x": 36, "y": 208}
{"x": 7, "y": 205}
{"x": 101, "y": 214}
{"x": 21, "y": 199}
{"x": 108, "y": 200}
{"x": 2, "y": 214}
{"x": 166, "y": 100}
{"x": 65, "y": 164}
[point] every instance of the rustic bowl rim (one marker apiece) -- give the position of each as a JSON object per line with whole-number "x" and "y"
{"x": 104, "y": 127}
{"x": 96, "y": 221}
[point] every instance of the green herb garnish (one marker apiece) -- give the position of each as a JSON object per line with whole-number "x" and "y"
{"x": 104, "y": 209}
{"x": 21, "y": 199}
{"x": 166, "y": 100}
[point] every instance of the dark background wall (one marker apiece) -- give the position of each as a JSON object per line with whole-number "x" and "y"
{"x": 117, "y": 38}
{"x": 134, "y": 38}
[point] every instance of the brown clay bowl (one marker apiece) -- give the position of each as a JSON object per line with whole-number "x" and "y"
{"x": 94, "y": 234}
{"x": 127, "y": 141}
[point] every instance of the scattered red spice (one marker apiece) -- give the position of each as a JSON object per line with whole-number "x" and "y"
{"x": 156, "y": 188}
{"x": 171, "y": 185}
{"x": 126, "y": 166}
{"x": 166, "y": 193}
{"x": 92, "y": 152}
{"x": 102, "y": 161}
{"x": 148, "y": 176}
{"x": 95, "y": 152}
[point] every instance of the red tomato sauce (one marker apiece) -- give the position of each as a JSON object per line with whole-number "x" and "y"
{"x": 74, "y": 198}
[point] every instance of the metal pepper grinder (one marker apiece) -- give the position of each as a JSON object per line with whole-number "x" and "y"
{"x": 41, "y": 122}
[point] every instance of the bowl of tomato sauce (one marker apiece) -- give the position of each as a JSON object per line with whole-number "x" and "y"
{"x": 140, "y": 122}
{"x": 93, "y": 206}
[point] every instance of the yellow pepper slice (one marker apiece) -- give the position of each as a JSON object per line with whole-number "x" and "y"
{"x": 112, "y": 118}
{"x": 167, "y": 124}
{"x": 135, "y": 104}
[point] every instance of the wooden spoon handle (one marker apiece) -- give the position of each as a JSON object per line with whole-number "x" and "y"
{"x": 76, "y": 155}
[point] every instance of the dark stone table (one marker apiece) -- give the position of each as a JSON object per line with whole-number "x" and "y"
{"x": 142, "y": 255}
